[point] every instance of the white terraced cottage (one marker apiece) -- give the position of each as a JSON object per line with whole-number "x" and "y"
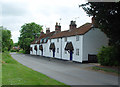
{"x": 76, "y": 44}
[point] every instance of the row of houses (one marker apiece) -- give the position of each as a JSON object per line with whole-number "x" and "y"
{"x": 75, "y": 44}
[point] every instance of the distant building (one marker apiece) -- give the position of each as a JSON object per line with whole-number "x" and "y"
{"x": 75, "y": 44}
{"x": 16, "y": 48}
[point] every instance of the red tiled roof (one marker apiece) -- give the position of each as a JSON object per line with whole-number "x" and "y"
{"x": 42, "y": 36}
{"x": 45, "y": 36}
{"x": 34, "y": 41}
{"x": 78, "y": 31}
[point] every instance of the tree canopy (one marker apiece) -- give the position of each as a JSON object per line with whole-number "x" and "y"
{"x": 106, "y": 16}
{"x": 29, "y": 32}
{"x": 6, "y": 41}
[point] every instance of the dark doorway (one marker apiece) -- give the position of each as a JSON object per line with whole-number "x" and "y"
{"x": 71, "y": 55}
{"x": 53, "y": 53}
{"x": 92, "y": 58}
{"x": 52, "y": 47}
{"x": 41, "y": 52}
{"x": 69, "y": 47}
{"x": 41, "y": 48}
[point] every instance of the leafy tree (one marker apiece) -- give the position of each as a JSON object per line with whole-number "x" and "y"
{"x": 106, "y": 15}
{"x": 29, "y": 32}
{"x": 15, "y": 44}
{"x": 7, "y": 42}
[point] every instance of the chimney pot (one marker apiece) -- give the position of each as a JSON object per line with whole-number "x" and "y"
{"x": 47, "y": 30}
{"x": 57, "y": 27}
{"x": 41, "y": 32}
{"x": 72, "y": 25}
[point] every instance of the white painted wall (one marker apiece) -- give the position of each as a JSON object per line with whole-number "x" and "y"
{"x": 93, "y": 40}
{"x": 34, "y": 51}
{"x": 57, "y": 45}
{"x": 76, "y": 45}
{"x": 45, "y": 49}
{"x": 38, "y": 51}
{"x": 31, "y": 52}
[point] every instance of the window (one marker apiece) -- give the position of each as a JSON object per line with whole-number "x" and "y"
{"x": 41, "y": 41}
{"x": 45, "y": 40}
{"x": 65, "y": 52}
{"x": 50, "y": 40}
{"x": 65, "y": 39}
{"x": 57, "y": 39}
{"x": 77, "y": 52}
{"x": 44, "y": 49}
{"x": 77, "y": 38}
{"x": 57, "y": 50}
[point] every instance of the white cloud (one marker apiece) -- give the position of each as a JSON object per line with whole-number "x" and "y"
{"x": 43, "y": 12}
{"x": 15, "y": 35}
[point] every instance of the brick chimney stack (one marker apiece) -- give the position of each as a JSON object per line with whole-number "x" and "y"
{"x": 41, "y": 32}
{"x": 47, "y": 30}
{"x": 72, "y": 25}
{"x": 57, "y": 27}
{"x": 93, "y": 22}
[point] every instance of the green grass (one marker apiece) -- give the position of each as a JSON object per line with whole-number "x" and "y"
{"x": 21, "y": 51}
{"x": 0, "y": 69}
{"x": 14, "y": 73}
{"x": 105, "y": 69}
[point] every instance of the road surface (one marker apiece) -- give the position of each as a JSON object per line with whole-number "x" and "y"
{"x": 64, "y": 71}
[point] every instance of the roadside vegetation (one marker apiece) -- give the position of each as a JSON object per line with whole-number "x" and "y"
{"x": 6, "y": 42}
{"x": 112, "y": 70}
{"x": 0, "y": 69}
{"x": 14, "y": 73}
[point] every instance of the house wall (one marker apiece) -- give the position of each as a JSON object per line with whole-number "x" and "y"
{"x": 46, "y": 49}
{"x": 93, "y": 40}
{"x": 76, "y": 45}
{"x": 31, "y": 52}
{"x": 34, "y": 51}
{"x": 89, "y": 43}
{"x": 57, "y": 45}
{"x": 38, "y": 51}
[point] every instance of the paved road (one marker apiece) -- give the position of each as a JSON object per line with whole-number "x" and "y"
{"x": 64, "y": 71}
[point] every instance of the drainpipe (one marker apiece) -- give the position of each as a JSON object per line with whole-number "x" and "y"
{"x": 61, "y": 47}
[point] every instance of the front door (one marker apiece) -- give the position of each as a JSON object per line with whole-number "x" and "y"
{"x": 53, "y": 53}
{"x": 42, "y": 52}
{"x": 71, "y": 55}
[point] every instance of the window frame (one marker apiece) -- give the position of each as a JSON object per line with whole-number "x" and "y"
{"x": 57, "y": 50}
{"x": 65, "y": 39}
{"x": 65, "y": 52}
{"x": 77, "y": 52}
{"x": 57, "y": 39}
{"x": 77, "y": 37}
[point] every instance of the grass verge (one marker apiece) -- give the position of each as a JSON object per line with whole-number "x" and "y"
{"x": 0, "y": 69}
{"x": 14, "y": 73}
{"x": 105, "y": 69}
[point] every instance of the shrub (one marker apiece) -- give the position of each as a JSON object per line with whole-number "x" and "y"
{"x": 14, "y": 50}
{"x": 21, "y": 51}
{"x": 108, "y": 56}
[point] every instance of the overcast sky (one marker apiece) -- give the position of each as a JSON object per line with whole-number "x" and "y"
{"x": 15, "y": 13}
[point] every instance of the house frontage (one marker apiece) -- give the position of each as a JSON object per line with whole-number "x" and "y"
{"x": 76, "y": 44}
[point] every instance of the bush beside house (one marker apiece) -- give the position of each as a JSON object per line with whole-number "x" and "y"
{"x": 108, "y": 56}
